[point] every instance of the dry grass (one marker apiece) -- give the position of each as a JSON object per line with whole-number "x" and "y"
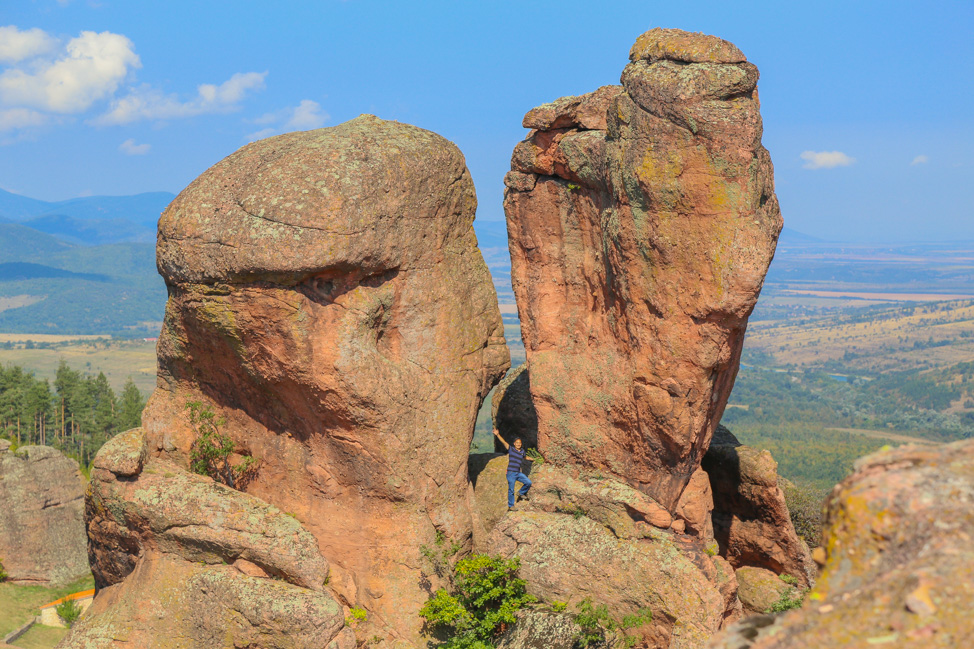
{"x": 882, "y": 434}
{"x": 118, "y": 359}
{"x": 927, "y": 336}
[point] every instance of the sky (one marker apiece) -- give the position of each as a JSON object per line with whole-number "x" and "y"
{"x": 868, "y": 106}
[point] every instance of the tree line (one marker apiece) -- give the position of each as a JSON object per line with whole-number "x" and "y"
{"x": 76, "y": 414}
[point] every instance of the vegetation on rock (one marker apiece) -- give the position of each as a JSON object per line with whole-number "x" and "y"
{"x": 212, "y": 450}
{"x": 598, "y": 626}
{"x": 486, "y": 595}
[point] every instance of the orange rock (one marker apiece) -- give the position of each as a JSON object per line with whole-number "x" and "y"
{"x": 327, "y": 297}
{"x": 638, "y": 252}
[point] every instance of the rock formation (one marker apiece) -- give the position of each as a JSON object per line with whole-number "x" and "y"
{"x": 328, "y": 300}
{"x": 180, "y": 560}
{"x": 42, "y": 533}
{"x": 899, "y": 561}
{"x": 750, "y": 517}
{"x": 512, "y": 410}
{"x": 642, "y": 220}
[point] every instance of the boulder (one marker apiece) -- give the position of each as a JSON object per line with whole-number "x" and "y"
{"x": 540, "y": 629}
{"x": 639, "y": 245}
{"x": 899, "y": 562}
{"x": 751, "y": 520}
{"x": 760, "y": 589}
{"x": 42, "y": 532}
{"x": 182, "y": 561}
{"x": 328, "y": 301}
{"x": 569, "y": 558}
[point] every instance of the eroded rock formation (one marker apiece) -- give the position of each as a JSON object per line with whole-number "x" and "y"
{"x": 182, "y": 561}
{"x": 751, "y": 519}
{"x": 642, "y": 220}
{"x": 42, "y": 533}
{"x": 327, "y": 298}
{"x": 899, "y": 563}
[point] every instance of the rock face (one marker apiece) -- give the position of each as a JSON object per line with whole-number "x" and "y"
{"x": 750, "y": 517}
{"x": 327, "y": 298}
{"x": 899, "y": 566}
{"x": 42, "y": 533}
{"x": 181, "y": 561}
{"x": 642, "y": 220}
{"x": 513, "y": 411}
{"x": 570, "y": 558}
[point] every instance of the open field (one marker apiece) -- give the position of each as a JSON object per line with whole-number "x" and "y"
{"x": 41, "y": 637}
{"x": 118, "y": 359}
{"x": 872, "y": 340}
{"x": 882, "y": 434}
{"x": 880, "y": 297}
{"x": 18, "y": 604}
{"x": 46, "y": 338}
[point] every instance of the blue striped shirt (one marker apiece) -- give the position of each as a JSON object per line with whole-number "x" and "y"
{"x": 515, "y": 459}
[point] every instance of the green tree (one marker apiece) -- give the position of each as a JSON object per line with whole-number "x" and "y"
{"x": 130, "y": 406}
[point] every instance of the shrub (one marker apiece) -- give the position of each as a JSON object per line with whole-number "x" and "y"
{"x": 805, "y": 508}
{"x": 68, "y": 611}
{"x": 211, "y": 451}
{"x": 596, "y": 623}
{"x": 3, "y": 573}
{"x": 789, "y": 600}
{"x": 486, "y": 595}
{"x": 791, "y": 580}
{"x": 535, "y": 456}
{"x": 356, "y": 615}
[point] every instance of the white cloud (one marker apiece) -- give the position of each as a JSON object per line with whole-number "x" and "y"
{"x": 147, "y": 102}
{"x": 14, "y": 118}
{"x": 261, "y": 134}
{"x": 307, "y": 115}
{"x": 18, "y": 45}
{"x": 826, "y": 159}
{"x": 90, "y": 68}
{"x": 129, "y": 147}
{"x": 920, "y": 160}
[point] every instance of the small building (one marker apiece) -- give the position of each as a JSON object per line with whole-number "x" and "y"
{"x": 49, "y": 616}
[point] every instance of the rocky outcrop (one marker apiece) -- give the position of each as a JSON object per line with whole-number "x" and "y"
{"x": 42, "y": 534}
{"x": 512, "y": 410}
{"x": 642, "y": 220}
{"x": 569, "y": 558}
{"x": 182, "y": 561}
{"x": 538, "y": 629}
{"x": 760, "y": 589}
{"x": 899, "y": 563}
{"x": 750, "y": 517}
{"x": 328, "y": 300}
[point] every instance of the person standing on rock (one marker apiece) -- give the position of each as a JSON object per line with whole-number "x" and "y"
{"x": 515, "y": 455}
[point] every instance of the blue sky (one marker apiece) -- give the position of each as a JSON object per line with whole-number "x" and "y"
{"x": 113, "y": 97}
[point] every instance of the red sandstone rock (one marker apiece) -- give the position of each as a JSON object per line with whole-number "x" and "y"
{"x": 900, "y": 563}
{"x": 181, "y": 561}
{"x": 638, "y": 252}
{"x": 327, "y": 297}
{"x": 42, "y": 534}
{"x": 751, "y": 519}
{"x": 512, "y": 410}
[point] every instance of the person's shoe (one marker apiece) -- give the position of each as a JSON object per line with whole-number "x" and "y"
{"x": 510, "y": 509}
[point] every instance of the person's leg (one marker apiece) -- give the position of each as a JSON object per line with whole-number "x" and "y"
{"x": 526, "y": 484}
{"x": 511, "y": 477}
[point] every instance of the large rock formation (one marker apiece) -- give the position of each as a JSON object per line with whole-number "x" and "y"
{"x": 327, "y": 298}
{"x": 42, "y": 533}
{"x": 642, "y": 220}
{"x": 751, "y": 519}
{"x": 182, "y": 561}
{"x": 899, "y": 562}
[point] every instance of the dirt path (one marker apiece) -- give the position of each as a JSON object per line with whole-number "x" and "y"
{"x": 882, "y": 434}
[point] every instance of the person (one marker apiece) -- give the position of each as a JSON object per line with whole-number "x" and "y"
{"x": 515, "y": 460}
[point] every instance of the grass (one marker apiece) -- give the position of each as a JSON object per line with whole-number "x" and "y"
{"x": 118, "y": 359}
{"x": 18, "y": 604}
{"x": 41, "y": 637}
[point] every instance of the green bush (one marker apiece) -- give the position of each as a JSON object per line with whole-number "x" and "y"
{"x": 3, "y": 573}
{"x": 486, "y": 595}
{"x": 596, "y": 624}
{"x": 789, "y": 600}
{"x": 805, "y": 508}
{"x": 211, "y": 451}
{"x": 68, "y": 611}
{"x": 356, "y": 615}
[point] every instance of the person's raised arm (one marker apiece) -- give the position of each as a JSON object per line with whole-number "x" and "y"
{"x": 498, "y": 436}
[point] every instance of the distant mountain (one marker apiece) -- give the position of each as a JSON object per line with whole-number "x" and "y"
{"x": 92, "y": 220}
{"x": 793, "y": 237}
